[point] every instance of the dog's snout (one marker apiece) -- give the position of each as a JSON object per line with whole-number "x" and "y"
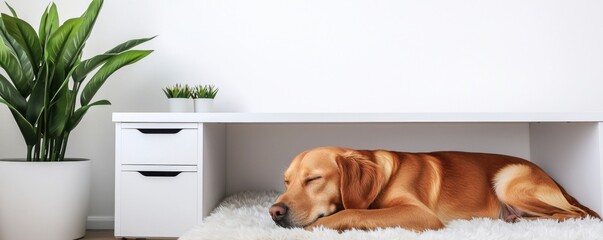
{"x": 278, "y": 211}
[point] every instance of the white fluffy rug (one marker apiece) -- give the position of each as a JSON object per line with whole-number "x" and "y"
{"x": 245, "y": 216}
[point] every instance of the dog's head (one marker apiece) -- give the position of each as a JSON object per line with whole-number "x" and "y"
{"x": 322, "y": 181}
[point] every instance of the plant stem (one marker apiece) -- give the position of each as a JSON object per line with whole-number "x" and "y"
{"x": 36, "y": 155}
{"x": 29, "y": 148}
{"x": 55, "y": 149}
{"x": 51, "y": 149}
{"x": 47, "y": 144}
{"x": 64, "y": 146}
{"x": 46, "y": 110}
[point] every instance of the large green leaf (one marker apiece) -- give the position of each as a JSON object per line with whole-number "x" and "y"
{"x": 42, "y": 27}
{"x": 57, "y": 80}
{"x": 76, "y": 42}
{"x": 58, "y": 40}
{"x": 9, "y": 93}
{"x": 49, "y": 23}
{"x": 35, "y": 103}
{"x": 27, "y": 130}
{"x": 86, "y": 66}
{"x": 112, "y": 65}
{"x": 129, "y": 44}
{"x": 79, "y": 114}
{"x": 89, "y": 65}
{"x": 12, "y": 10}
{"x": 20, "y": 54}
{"x": 10, "y": 64}
{"x": 59, "y": 111}
{"x": 27, "y": 38}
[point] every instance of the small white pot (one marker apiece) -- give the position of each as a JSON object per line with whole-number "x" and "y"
{"x": 204, "y": 104}
{"x": 180, "y": 104}
{"x": 44, "y": 200}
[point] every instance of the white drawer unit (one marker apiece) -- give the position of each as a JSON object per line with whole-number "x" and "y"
{"x": 168, "y": 144}
{"x": 150, "y": 196}
{"x": 159, "y": 178}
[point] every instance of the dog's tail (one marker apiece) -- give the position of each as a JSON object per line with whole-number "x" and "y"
{"x": 529, "y": 190}
{"x": 577, "y": 204}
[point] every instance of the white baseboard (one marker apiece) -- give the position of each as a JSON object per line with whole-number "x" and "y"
{"x": 100, "y": 222}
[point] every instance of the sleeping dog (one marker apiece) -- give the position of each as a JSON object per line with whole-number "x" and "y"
{"x": 341, "y": 189}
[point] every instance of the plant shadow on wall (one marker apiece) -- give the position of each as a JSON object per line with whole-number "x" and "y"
{"x": 45, "y": 196}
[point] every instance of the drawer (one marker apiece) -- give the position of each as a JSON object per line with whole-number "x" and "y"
{"x": 158, "y": 203}
{"x": 173, "y": 144}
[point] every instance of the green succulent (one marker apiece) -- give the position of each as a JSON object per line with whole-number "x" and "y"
{"x": 205, "y": 91}
{"x": 178, "y": 91}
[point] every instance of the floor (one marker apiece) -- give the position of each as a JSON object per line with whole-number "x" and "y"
{"x": 101, "y": 235}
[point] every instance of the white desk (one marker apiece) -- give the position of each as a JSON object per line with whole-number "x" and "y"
{"x": 249, "y": 151}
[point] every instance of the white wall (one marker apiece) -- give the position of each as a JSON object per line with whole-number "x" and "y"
{"x": 337, "y": 56}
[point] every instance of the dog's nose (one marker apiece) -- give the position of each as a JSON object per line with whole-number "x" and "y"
{"x": 278, "y": 211}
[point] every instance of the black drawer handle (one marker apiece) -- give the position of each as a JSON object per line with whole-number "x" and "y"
{"x": 160, "y": 130}
{"x": 159, "y": 173}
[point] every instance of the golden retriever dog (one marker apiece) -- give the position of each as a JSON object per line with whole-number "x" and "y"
{"x": 341, "y": 189}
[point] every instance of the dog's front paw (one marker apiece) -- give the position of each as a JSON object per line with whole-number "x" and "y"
{"x": 325, "y": 225}
{"x": 320, "y": 223}
{"x": 312, "y": 226}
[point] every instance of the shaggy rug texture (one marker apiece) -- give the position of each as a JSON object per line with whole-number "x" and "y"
{"x": 245, "y": 216}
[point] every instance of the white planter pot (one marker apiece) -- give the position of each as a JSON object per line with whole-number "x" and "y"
{"x": 44, "y": 200}
{"x": 203, "y": 104}
{"x": 180, "y": 104}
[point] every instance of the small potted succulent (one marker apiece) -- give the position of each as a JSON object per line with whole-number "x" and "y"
{"x": 178, "y": 97}
{"x": 203, "y": 96}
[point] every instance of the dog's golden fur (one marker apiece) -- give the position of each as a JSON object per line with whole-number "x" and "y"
{"x": 341, "y": 188}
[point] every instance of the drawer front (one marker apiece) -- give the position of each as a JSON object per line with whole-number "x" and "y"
{"x": 158, "y": 203}
{"x": 171, "y": 144}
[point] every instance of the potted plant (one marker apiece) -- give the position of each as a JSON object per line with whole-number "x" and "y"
{"x": 203, "y": 96}
{"x": 178, "y": 97}
{"x": 46, "y": 87}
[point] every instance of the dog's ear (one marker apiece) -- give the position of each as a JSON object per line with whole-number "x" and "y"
{"x": 361, "y": 180}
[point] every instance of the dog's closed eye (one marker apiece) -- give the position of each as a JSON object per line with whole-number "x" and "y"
{"x": 312, "y": 179}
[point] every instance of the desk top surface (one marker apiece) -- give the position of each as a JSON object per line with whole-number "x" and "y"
{"x": 440, "y": 117}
